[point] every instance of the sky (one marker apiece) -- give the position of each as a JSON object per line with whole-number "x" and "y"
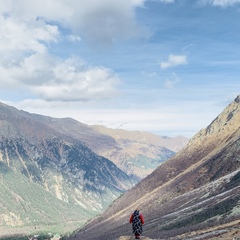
{"x": 167, "y": 67}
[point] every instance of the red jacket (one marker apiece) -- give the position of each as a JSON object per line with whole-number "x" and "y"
{"x": 141, "y": 218}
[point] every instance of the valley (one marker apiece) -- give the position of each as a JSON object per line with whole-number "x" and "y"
{"x": 66, "y": 183}
{"x": 195, "y": 190}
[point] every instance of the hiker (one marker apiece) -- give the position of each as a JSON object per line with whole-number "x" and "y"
{"x": 137, "y": 221}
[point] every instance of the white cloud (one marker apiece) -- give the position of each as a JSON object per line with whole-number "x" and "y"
{"x": 169, "y": 83}
{"x": 98, "y": 21}
{"x": 174, "y": 60}
{"x": 163, "y": 1}
{"x": 72, "y": 82}
{"x": 20, "y": 43}
{"x": 167, "y": 1}
{"x": 55, "y": 79}
{"x": 73, "y": 38}
{"x": 28, "y": 26}
{"x": 18, "y": 36}
{"x": 220, "y": 3}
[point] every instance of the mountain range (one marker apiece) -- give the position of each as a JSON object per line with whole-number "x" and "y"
{"x": 193, "y": 195}
{"x": 60, "y": 173}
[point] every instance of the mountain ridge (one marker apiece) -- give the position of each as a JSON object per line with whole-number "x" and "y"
{"x": 55, "y": 154}
{"x": 137, "y": 145}
{"x": 59, "y": 164}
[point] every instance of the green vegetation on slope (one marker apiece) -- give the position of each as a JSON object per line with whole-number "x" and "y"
{"x": 24, "y": 203}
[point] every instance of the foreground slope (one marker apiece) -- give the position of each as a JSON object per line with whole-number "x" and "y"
{"x": 196, "y": 189}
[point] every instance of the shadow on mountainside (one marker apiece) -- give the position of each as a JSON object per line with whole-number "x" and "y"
{"x": 3, "y": 168}
{"x": 224, "y": 233}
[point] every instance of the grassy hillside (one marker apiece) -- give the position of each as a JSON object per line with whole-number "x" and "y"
{"x": 26, "y": 204}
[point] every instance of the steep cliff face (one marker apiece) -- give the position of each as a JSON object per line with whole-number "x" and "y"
{"x": 195, "y": 189}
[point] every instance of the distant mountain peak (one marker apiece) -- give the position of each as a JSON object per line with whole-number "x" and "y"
{"x": 237, "y": 99}
{"x": 225, "y": 124}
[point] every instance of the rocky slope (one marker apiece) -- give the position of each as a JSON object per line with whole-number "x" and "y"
{"x": 136, "y": 153}
{"x": 196, "y": 189}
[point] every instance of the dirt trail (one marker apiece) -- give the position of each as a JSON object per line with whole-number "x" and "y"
{"x": 133, "y": 238}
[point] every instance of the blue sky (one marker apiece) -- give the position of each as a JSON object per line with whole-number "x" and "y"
{"x": 164, "y": 66}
